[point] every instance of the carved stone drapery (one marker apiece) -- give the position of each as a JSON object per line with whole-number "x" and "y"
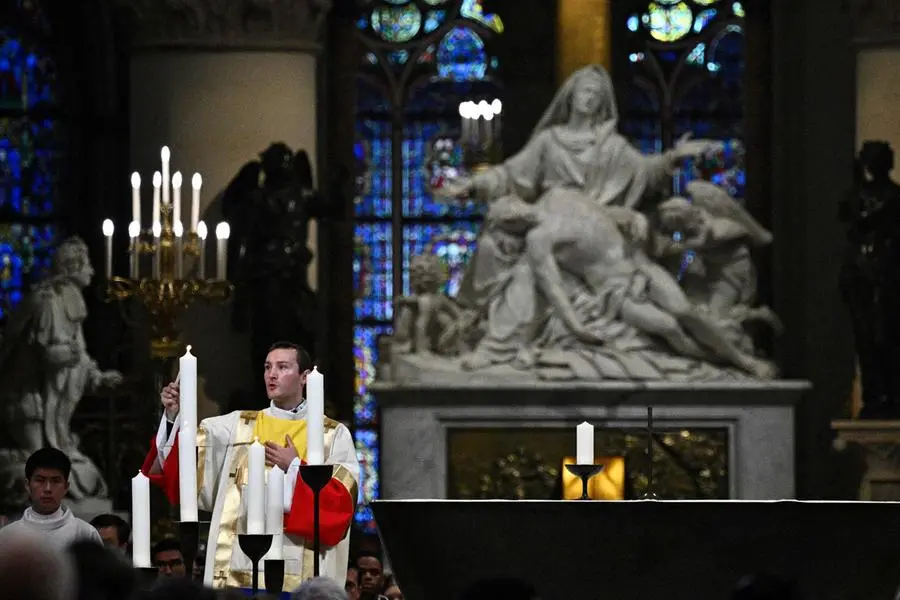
{"x": 278, "y": 25}
{"x": 874, "y": 22}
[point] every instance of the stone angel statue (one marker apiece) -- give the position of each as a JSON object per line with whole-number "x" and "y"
{"x": 45, "y": 370}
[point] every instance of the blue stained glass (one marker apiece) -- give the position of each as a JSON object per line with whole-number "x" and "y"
{"x": 365, "y": 356}
{"x": 703, "y": 19}
{"x": 377, "y": 304}
{"x": 28, "y": 166}
{"x": 397, "y": 23}
{"x": 697, "y": 55}
{"x": 434, "y": 20}
{"x": 27, "y": 76}
{"x": 472, "y": 9}
{"x": 461, "y": 55}
{"x": 367, "y": 452}
{"x": 26, "y": 252}
{"x": 374, "y": 155}
{"x": 453, "y": 243}
{"x": 398, "y": 57}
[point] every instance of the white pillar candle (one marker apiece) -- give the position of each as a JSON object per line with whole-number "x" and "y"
{"x": 201, "y": 250}
{"x": 222, "y": 233}
{"x": 176, "y": 197}
{"x": 187, "y": 382}
{"x": 196, "y": 184}
{"x": 165, "y": 155}
{"x": 108, "y": 229}
{"x": 275, "y": 512}
{"x": 134, "y": 232}
{"x": 140, "y": 521}
{"x": 584, "y": 444}
{"x": 157, "y": 184}
{"x": 178, "y": 230}
{"x": 136, "y": 197}
{"x": 315, "y": 418}
{"x": 187, "y": 474}
{"x": 256, "y": 489}
{"x": 157, "y": 254}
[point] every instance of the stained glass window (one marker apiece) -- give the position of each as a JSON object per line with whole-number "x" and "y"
{"x": 30, "y": 137}
{"x": 446, "y": 48}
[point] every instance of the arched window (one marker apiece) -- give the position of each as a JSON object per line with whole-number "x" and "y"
{"x": 29, "y": 150}
{"x": 421, "y": 59}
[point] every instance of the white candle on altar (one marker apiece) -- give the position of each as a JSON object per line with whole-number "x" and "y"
{"x": 178, "y": 230}
{"x": 187, "y": 474}
{"x": 157, "y": 254}
{"x": 108, "y": 229}
{"x": 187, "y": 382}
{"x": 157, "y": 184}
{"x": 222, "y": 233}
{"x": 256, "y": 489}
{"x": 584, "y": 444}
{"x": 136, "y": 197}
{"x": 201, "y": 252}
{"x": 165, "y": 155}
{"x": 275, "y": 512}
{"x": 134, "y": 232}
{"x": 140, "y": 521}
{"x": 176, "y": 197}
{"x": 315, "y": 418}
{"x": 196, "y": 184}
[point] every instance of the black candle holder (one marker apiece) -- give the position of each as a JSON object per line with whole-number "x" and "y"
{"x": 255, "y": 546}
{"x": 316, "y": 477}
{"x": 189, "y": 539}
{"x": 585, "y": 472}
{"x": 274, "y": 570}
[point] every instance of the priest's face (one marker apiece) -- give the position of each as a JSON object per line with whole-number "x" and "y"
{"x": 283, "y": 377}
{"x": 47, "y": 488}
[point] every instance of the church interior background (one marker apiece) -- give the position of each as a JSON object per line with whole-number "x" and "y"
{"x": 376, "y": 92}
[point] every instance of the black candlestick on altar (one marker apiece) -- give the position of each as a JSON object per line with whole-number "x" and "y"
{"x": 255, "y": 546}
{"x": 585, "y": 472}
{"x": 189, "y": 539}
{"x": 649, "y": 494}
{"x": 274, "y": 570}
{"x": 316, "y": 477}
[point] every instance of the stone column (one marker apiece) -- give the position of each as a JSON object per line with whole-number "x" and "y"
{"x": 218, "y": 81}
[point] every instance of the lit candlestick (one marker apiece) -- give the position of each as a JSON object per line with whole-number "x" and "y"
{"x": 584, "y": 444}
{"x": 201, "y": 251}
{"x": 134, "y": 232}
{"x": 187, "y": 382}
{"x": 165, "y": 155}
{"x": 497, "y": 108}
{"x": 136, "y": 197}
{"x": 157, "y": 245}
{"x": 275, "y": 512}
{"x": 315, "y": 418}
{"x": 222, "y": 233}
{"x": 178, "y": 230}
{"x": 176, "y": 197}
{"x": 108, "y": 229}
{"x": 196, "y": 184}
{"x": 256, "y": 489}
{"x": 157, "y": 184}
{"x": 140, "y": 521}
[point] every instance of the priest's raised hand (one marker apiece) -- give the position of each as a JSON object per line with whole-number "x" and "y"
{"x": 170, "y": 398}
{"x": 281, "y": 456}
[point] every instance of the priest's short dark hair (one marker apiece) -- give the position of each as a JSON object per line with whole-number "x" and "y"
{"x": 303, "y": 359}
{"x": 48, "y": 458}
{"x": 123, "y": 529}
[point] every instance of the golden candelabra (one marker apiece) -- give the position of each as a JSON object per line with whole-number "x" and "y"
{"x": 168, "y": 291}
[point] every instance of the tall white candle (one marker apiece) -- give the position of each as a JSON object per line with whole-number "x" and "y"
{"x": 136, "y": 197}
{"x": 176, "y": 197}
{"x": 108, "y": 229}
{"x": 134, "y": 232}
{"x": 140, "y": 521}
{"x": 165, "y": 155}
{"x": 584, "y": 444}
{"x": 196, "y": 184}
{"x": 256, "y": 489}
{"x": 275, "y": 512}
{"x": 201, "y": 250}
{"x": 178, "y": 230}
{"x": 187, "y": 474}
{"x": 222, "y": 233}
{"x": 187, "y": 378}
{"x": 157, "y": 254}
{"x": 315, "y": 418}
{"x": 157, "y": 184}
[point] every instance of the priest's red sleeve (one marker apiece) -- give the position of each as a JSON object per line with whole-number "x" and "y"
{"x": 337, "y": 503}
{"x": 167, "y": 477}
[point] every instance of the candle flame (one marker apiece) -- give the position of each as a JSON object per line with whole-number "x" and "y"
{"x": 157, "y": 179}
{"x": 176, "y": 179}
{"x": 135, "y": 180}
{"x": 196, "y": 181}
{"x": 165, "y": 153}
{"x": 189, "y": 348}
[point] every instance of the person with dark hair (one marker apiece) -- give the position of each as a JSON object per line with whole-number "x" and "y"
{"x": 351, "y": 585}
{"x": 167, "y": 557}
{"x": 47, "y": 476}
{"x": 102, "y": 573}
{"x": 371, "y": 575}
{"x": 114, "y": 531}
{"x": 222, "y": 462}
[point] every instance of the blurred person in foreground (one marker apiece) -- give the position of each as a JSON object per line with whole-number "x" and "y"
{"x": 103, "y": 573}
{"x": 47, "y": 473}
{"x": 32, "y": 569}
{"x": 319, "y": 588}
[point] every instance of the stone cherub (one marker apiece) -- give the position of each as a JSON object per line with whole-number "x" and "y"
{"x": 45, "y": 370}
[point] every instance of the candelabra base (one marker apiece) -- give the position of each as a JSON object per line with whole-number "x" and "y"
{"x": 316, "y": 477}
{"x": 274, "y": 571}
{"x": 255, "y": 546}
{"x": 585, "y": 473}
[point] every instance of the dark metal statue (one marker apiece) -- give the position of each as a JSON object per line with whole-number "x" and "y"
{"x": 870, "y": 281}
{"x": 269, "y": 204}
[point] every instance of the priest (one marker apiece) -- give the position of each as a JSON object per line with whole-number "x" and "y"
{"x": 223, "y": 444}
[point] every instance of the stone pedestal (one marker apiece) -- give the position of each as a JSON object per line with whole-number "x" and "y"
{"x": 880, "y": 441}
{"x": 416, "y": 420}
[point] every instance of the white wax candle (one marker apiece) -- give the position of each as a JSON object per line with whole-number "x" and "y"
{"x": 187, "y": 474}
{"x": 165, "y": 155}
{"x": 157, "y": 184}
{"x": 157, "y": 255}
{"x": 196, "y": 184}
{"x": 256, "y": 489}
{"x": 315, "y": 418}
{"x": 178, "y": 230}
{"x": 176, "y": 197}
{"x": 275, "y": 512}
{"x": 140, "y": 521}
{"x": 136, "y": 197}
{"x": 201, "y": 250}
{"x": 108, "y": 229}
{"x": 134, "y": 232}
{"x": 222, "y": 233}
{"x": 584, "y": 444}
{"x": 187, "y": 381}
